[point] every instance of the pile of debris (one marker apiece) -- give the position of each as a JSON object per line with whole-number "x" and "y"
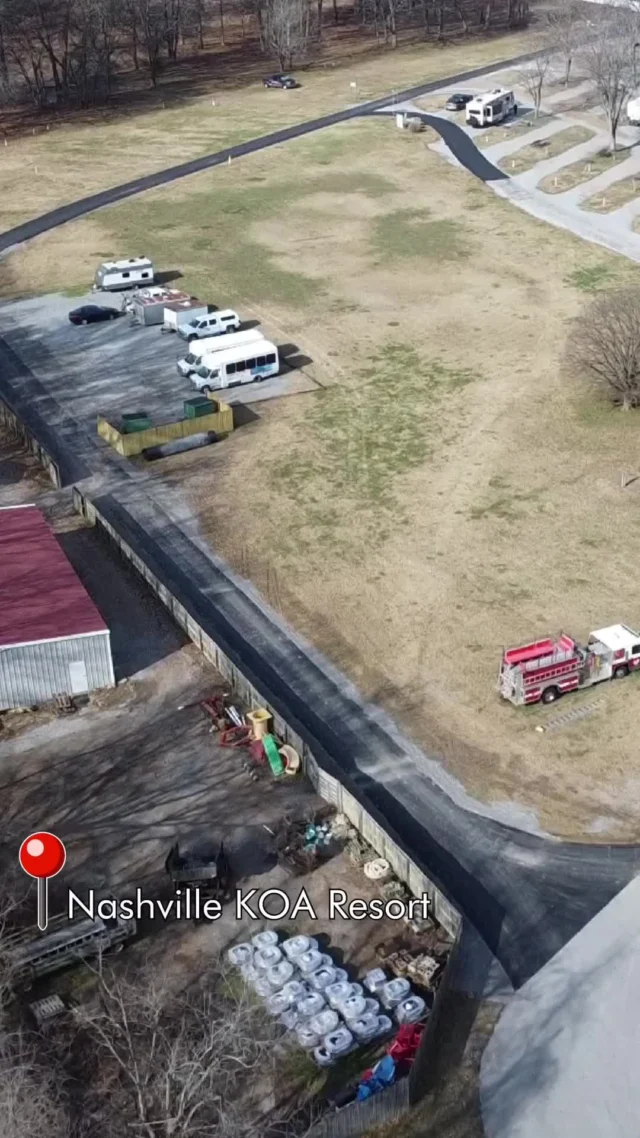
{"x": 302, "y": 844}
{"x": 421, "y": 958}
{"x": 253, "y": 733}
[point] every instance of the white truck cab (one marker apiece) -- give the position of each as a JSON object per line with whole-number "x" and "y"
{"x": 213, "y": 324}
{"x": 494, "y": 107}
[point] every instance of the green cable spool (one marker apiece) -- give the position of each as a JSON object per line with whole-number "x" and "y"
{"x": 273, "y": 755}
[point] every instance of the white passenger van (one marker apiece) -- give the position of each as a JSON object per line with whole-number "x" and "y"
{"x": 494, "y": 107}
{"x": 200, "y": 348}
{"x": 234, "y": 366}
{"x": 113, "y": 276}
{"x": 213, "y": 324}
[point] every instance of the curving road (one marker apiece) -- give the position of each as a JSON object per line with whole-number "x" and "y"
{"x": 526, "y": 894}
{"x": 453, "y": 135}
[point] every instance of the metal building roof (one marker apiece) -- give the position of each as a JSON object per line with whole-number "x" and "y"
{"x": 41, "y": 598}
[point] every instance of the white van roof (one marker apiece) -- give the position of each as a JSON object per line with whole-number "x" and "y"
{"x": 211, "y": 345}
{"x": 126, "y": 265}
{"x": 216, "y": 359}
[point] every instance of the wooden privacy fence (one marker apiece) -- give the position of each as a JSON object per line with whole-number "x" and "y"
{"x": 128, "y": 444}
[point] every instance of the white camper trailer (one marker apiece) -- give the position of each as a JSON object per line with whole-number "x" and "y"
{"x": 113, "y": 276}
{"x": 494, "y": 107}
{"x": 211, "y": 344}
{"x": 148, "y": 305}
{"x": 179, "y": 312}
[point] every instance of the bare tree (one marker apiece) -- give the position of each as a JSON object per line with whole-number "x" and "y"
{"x": 532, "y": 77}
{"x": 605, "y": 345}
{"x": 287, "y": 29}
{"x": 193, "y": 1065}
{"x": 609, "y": 58}
{"x": 568, "y": 30}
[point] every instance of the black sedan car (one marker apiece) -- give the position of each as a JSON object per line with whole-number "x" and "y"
{"x": 92, "y": 314}
{"x": 284, "y": 82}
{"x": 457, "y": 102}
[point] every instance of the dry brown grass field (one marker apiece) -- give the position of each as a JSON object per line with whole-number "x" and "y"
{"x": 449, "y": 491}
{"x": 206, "y": 107}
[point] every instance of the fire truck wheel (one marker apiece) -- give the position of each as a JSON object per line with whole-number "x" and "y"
{"x": 550, "y": 695}
{"x": 621, "y": 672}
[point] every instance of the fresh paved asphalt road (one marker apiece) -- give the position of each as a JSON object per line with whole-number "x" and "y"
{"x": 526, "y": 894}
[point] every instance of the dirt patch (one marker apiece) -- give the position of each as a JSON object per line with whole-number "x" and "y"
{"x": 582, "y": 171}
{"x": 529, "y": 156}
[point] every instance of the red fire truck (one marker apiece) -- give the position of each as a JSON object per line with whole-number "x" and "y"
{"x": 547, "y": 669}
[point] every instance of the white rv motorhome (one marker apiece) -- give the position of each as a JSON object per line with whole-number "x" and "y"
{"x": 113, "y": 276}
{"x": 233, "y": 366}
{"x": 212, "y": 344}
{"x": 633, "y": 111}
{"x": 494, "y": 107}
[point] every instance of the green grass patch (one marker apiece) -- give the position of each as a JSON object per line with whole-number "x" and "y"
{"x": 410, "y": 233}
{"x": 529, "y": 156}
{"x": 186, "y": 233}
{"x": 582, "y": 171}
{"x": 592, "y": 278}
{"x": 359, "y": 440}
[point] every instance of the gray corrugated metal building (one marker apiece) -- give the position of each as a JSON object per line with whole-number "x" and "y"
{"x": 53, "y": 640}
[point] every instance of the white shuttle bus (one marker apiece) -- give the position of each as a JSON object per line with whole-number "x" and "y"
{"x": 113, "y": 276}
{"x": 234, "y": 366}
{"x": 211, "y": 344}
{"x": 494, "y": 107}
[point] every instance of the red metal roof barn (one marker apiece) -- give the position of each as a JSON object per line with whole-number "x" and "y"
{"x": 53, "y": 640}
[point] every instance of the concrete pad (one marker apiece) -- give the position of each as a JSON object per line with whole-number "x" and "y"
{"x": 562, "y": 1060}
{"x": 115, "y": 367}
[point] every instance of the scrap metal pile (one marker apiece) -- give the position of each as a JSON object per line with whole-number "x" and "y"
{"x": 253, "y": 733}
{"x": 302, "y": 844}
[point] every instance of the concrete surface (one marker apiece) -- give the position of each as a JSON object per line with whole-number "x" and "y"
{"x": 563, "y": 1058}
{"x": 116, "y": 366}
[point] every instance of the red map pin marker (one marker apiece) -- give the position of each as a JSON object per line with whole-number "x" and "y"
{"x": 42, "y": 855}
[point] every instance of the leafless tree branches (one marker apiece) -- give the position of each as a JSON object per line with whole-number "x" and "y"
{"x": 192, "y": 1065}
{"x": 533, "y": 75}
{"x": 609, "y": 59}
{"x": 605, "y": 345}
{"x": 567, "y": 32}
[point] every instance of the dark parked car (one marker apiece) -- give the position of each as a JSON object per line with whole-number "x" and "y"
{"x": 92, "y": 314}
{"x": 457, "y": 102}
{"x": 286, "y": 82}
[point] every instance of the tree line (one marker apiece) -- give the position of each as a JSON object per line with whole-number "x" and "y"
{"x": 70, "y": 51}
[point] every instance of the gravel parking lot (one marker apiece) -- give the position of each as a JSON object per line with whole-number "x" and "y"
{"x": 115, "y": 367}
